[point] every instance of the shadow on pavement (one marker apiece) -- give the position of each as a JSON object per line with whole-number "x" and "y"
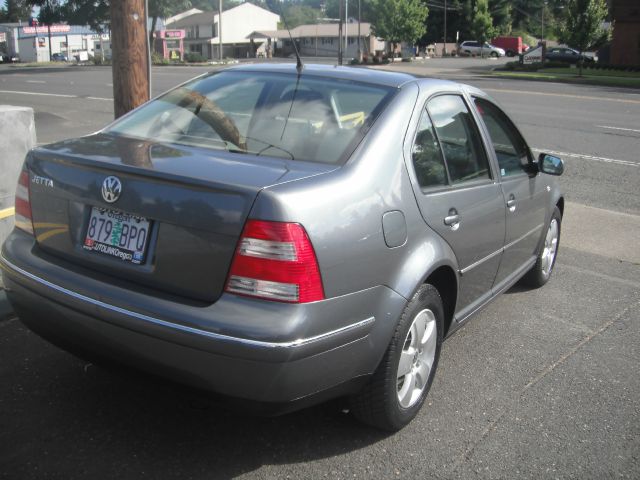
{"x": 91, "y": 422}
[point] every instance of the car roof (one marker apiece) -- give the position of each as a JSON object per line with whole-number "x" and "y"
{"x": 358, "y": 74}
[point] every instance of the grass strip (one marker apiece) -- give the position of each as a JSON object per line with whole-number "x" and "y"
{"x": 585, "y": 79}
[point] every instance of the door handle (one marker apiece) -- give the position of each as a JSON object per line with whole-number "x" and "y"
{"x": 511, "y": 203}
{"x": 452, "y": 219}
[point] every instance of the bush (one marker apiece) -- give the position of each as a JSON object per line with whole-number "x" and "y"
{"x": 157, "y": 59}
{"x": 555, "y": 64}
{"x": 615, "y": 68}
{"x": 98, "y": 60}
{"x": 194, "y": 57}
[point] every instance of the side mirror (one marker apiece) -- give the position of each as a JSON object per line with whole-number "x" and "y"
{"x": 550, "y": 164}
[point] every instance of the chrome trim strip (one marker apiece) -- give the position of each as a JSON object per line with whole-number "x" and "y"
{"x": 497, "y": 252}
{"x": 482, "y": 260}
{"x": 156, "y": 321}
{"x": 530, "y": 232}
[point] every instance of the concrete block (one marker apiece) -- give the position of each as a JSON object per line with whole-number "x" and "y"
{"x": 17, "y": 136}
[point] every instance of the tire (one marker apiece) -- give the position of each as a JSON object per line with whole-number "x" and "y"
{"x": 510, "y": 53}
{"x": 495, "y": 54}
{"x": 391, "y": 400}
{"x": 541, "y": 271}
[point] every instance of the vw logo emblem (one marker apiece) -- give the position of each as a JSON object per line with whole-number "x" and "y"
{"x": 111, "y": 189}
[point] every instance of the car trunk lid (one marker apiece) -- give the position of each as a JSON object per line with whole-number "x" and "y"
{"x": 195, "y": 201}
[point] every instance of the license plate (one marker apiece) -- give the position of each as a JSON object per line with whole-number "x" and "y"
{"x": 117, "y": 234}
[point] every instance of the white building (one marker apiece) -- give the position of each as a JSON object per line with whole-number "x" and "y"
{"x": 203, "y": 29}
{"x": 32, "y": 43}
{"x": 321, "y": 40}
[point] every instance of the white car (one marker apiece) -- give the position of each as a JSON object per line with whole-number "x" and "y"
{"x": 471, "y": 47}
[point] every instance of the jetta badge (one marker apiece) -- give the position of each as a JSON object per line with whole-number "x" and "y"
{"x": 111, "y": 189}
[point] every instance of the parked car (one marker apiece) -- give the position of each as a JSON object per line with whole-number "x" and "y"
{"x": 469, "y": 47}
{"x": 567, "y": 55}
{"x": 284, "y": 237}
{"x": 9, "y": 58}
{"x": 59, "y": 57}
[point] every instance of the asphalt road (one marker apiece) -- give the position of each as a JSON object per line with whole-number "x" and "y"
{"x": 541, "y": 384}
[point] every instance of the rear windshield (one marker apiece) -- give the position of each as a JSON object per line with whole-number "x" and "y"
{"x": 279, "y": 115}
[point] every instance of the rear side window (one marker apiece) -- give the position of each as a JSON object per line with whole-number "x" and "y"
{"x": 511, "y": 150}
{"x": 427, "y": 156}
{"x": 459, "y": 139}
{"x": 272, "y": 114}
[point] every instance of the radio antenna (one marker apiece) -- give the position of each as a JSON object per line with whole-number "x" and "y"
{"x": 299, "y": 65}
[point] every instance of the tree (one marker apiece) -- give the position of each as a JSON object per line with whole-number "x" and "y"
{"x": 93, "y": 13}
{"x": 163, "y": 9}
{"x": 399, "y": 20}
{"x": 482, "y": 27}
{"x": 582, "y": 27}
{"x": 50, "y": 13}
{"x": 501, "y": 13}
{"x": 15, "y": 11}
{"x": 299, "y": 15}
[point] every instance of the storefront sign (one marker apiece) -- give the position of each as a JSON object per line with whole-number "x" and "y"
{"x": 532, "y": 56}
{"x": 44, "y": 29}
{"x": 173, "y": 33}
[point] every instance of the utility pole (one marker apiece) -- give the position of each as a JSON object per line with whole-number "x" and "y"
{"x": 542, "y": 22}
{"x": 220, "y": 29}
{"x": 49, "y": 32}
{"x": 359, "y": 21}
{"x": 444, "y": 49}
{"x": 129, "y": 55}
{"x": 346, "y": 26}
{"x": 340, "y": 33}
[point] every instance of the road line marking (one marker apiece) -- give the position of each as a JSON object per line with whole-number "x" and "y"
{"x": 547, "y": 94}
{"x": 589, "y": 157}
{"x": 57, "y": 95}
{"x": 41, "y": 94}
{"x": 36, "y": 81}
{"x": 7, "y": 212}
{"x": 619, "y": 128}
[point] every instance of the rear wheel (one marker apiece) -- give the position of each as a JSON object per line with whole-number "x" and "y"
{"x": 396, "y": 391}
{"x": 541, "y": 271}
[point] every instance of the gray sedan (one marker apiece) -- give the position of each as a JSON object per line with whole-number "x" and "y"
{"x": 283, "y": 236}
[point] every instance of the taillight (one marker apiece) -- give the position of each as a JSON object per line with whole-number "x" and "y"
{"x": 275, "y": 261}
{"x": 23, "y": 204}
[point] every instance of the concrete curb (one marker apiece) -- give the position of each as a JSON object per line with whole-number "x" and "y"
{"x": 17, "y": 137}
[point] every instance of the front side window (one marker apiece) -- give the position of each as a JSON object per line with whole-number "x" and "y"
{"x": 279, "y": 115}
{"x": 460, "y": 140}
{"x": 511, "y": 150}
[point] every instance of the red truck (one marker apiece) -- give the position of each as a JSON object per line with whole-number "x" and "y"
{"x": 512, "y": 46}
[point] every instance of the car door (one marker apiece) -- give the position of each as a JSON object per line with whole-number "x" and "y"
{"x": 524, "y": 190}
{"x": 458, "y": 195}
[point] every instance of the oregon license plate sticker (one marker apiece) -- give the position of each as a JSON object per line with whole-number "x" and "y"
{"x": 117, "y": 234}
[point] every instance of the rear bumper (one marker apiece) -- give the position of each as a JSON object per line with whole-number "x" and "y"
{"x": 256, "y": 350}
